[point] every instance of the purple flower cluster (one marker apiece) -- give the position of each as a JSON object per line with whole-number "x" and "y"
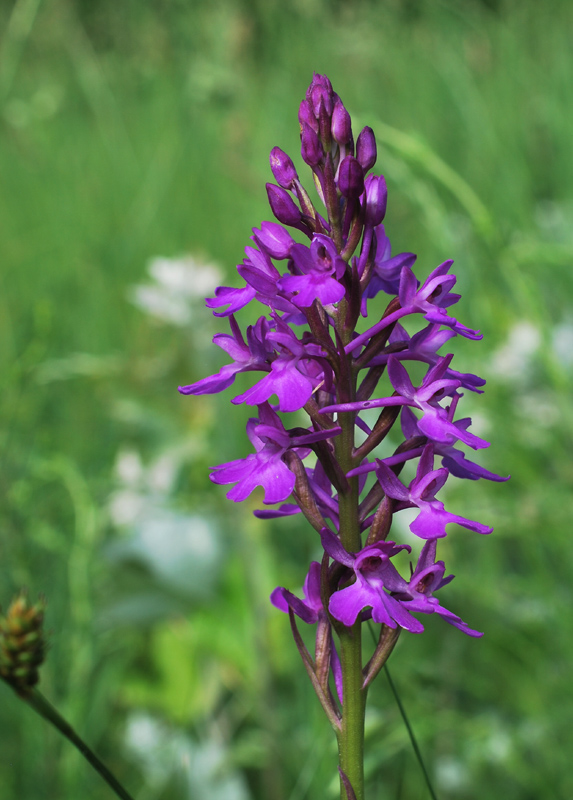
{"x": 316, "y": 353}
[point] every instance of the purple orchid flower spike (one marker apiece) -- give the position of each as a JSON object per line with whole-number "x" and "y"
{"x": 375, "y": 577}
{"x": 315, "y": 291}
{"x": 432, "y": 520}
{"x": 426, "y": 579}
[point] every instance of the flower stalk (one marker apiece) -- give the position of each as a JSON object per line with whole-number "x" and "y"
{"x": 319, "y": 351}
{"x": 22, "y": 651}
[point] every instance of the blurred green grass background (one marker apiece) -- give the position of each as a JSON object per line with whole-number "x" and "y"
{"x": 135, "y": 130}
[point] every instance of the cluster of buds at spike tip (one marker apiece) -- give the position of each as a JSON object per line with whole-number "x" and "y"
{"x": 319, "y": 352}
{"x": 22, "y": 644}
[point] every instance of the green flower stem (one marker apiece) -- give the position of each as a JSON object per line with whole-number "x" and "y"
{"x": 46, "y": 710}
{"x": 351, "y": 737}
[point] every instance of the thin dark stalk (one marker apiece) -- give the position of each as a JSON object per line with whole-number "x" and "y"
{"x": 46, "y": 710}
{"x": 410, "y": 734}
{"x": 406, "y": 721}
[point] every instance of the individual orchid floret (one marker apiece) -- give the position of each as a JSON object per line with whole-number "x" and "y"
{"x": 436, "y": 423}
{"x": 320, "y": 268}
{"x": 310, "y": 146}
{"x": 283, "y": 207}
{"x": 376, "y": 199}
{"x": 311, "y": 611}
{"x": 308, "y": 609}
{"x": 423, "y": 346}
{"x": 266, "y": 466}
{"x": 426, "y": 579}
{"x": 341, "y": 124}
{"x": 387, "y": 268}
{"x": 375, "y": 577}
{"x": 431, "y": 300}
{"x": 432, "y": 520}
{"x": 259, "y": 272}
{"x": 293, "y": 376}
{"x": 253, "y": 355}
{"x": 454, "y": 460}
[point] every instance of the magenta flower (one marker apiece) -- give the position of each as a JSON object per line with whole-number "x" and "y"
{"x": 375, "y": 577}
{"x": 320, "y": 269}
{"x": 266, "y": 467}
{"x": 426, "y": 579}
{"x": 432, "y": 520}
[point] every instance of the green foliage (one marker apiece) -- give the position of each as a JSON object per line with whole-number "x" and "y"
{"x": 134, "y": 130}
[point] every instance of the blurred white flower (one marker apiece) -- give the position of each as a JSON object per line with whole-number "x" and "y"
{"x": 139, "y": 487}
{"x": 128, "y": 467}
{"x": 178, "y": 284}
{"x": 562, "y": 342}
{"x": 513, "y": 359}
{"x": 451, "y": 774}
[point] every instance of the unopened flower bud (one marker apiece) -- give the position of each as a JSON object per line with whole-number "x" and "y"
{"x": 366, "y": 151}
{"x": 350, "y": 177}
{"x": 283, "y": 169}
{"x": 376, "y": 199}
{"x": 311, "y": 148}
{"x": 320, "y": 94}
{"x": 282, "y": 205}
{"x": 273, "y": 238}
{"x": 341, "y": 124}
{"x": 306, "y": 117}
{"x": 22, "y": 644}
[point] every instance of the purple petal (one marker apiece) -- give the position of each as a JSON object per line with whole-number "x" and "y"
{"x": 334, "y": 548}
{"x": 234, "y": 298}
{"x": 346, "y": 604}
{"x": 283, "y": 599}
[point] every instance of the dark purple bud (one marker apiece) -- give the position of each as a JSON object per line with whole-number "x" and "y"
{"x": 376, "y": 199}
{"x": 341, "y": 124}
{"x": 366, "y": 148}
{"x": 306, "y": 117}
{"x": 324, "y": 124}
{"x": 318, "y": 80}
{"x": 320, "y": 94}
{"x": 282, "y": 168}
{"x": 311, "y": 148}
{"x": 350, "y": 177}
{"x": 282, "y": 205}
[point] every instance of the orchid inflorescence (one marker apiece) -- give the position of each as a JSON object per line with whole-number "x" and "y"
{"x": 313, "y": 358}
